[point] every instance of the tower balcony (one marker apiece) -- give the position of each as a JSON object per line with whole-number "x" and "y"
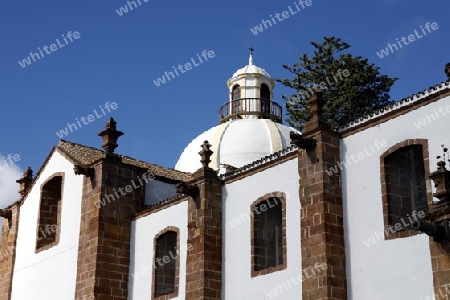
{"x": 251, "y": 107}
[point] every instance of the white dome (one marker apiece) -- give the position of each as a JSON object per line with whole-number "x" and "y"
{"x": 251, "y": 69}
{"x": 236, "y": 143}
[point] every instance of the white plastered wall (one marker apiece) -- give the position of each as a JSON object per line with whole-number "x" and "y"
{"x": 238, "y": 197}
{"x": 49, "y": 274}
{"x": 143, "y": 232}
{"x": 386, "y": 269}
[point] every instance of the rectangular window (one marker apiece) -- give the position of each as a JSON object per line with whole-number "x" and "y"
{"x": 268, "y": 234}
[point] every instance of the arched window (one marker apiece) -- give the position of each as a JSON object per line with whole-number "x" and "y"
{"x": 236, "y": 92}
{"x": 265, "y": 92}
{"x": 236, "y": 104}
{"x": 404, "y": 168}
{"x": 268, "y": 234}
{"x": 265, "y": 99}
{"x": 49, "y": 220}
{"x": 406, "y": 185}
{"x": 166, "y": 261}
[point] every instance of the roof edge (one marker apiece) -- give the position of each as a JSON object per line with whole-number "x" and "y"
{"x": 394, "y": 109}
{"x": 37, "y": 176}
{"x": 262, "y": 162}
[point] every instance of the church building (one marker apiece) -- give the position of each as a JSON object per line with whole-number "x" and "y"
{"x": 253, "y": 209}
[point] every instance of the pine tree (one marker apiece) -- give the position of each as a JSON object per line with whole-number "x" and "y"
{"x": 350, "y": 84}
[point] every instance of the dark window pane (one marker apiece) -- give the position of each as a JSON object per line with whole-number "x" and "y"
{"x": 265, "y": 92}
{"x": 236, "y": 92}
{"x": 165, "y": 263}
{"x": 268, "y": 238}
{"x": 49, "y": 210}
{"x": 265, "y": 99}
{"x": 406, "y": 187}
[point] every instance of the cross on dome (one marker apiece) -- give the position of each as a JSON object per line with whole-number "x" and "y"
{"x": 250, "y": 60}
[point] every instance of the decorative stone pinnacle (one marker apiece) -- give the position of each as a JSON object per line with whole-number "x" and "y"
{"x": 28, "y": 173}
{"x": 25, "y": 180}
{"x": 445, "y": 156}
{"x": 205, "y": 153}
{"x": 110, "y": 135}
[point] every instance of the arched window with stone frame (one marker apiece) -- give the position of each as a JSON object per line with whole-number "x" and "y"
{"x": 166, "y": 264}
{"x": 49, "y": 217}
{"x": 268, "y": 240}
{"x": 405, "y": 191}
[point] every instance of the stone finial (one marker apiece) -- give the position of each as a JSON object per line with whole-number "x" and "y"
{"x": 441, "y": 177}
{"x": 110, "y": 135}
{"x": 25, "y": 181}
{"x": 447, "y": 70}
{"x": 441, "y": 164}
{"x": 205, "y": 153}
{"x": 444, "y": 157}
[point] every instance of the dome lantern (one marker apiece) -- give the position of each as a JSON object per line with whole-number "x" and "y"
{"x": 250, "y": 95}
{"x": 250, "y": 125}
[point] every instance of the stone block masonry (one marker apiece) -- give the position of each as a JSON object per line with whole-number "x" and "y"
{"x": 322, "y": 228}
{"x": 105, "y": 231}
{"x": 8, "y": 252}
{"x": 204, "y": 261}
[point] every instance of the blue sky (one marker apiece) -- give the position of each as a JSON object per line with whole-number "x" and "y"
{"x": 117, "y": 58}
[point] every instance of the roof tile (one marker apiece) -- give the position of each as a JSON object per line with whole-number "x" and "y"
{"x": 86, "y": 155}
